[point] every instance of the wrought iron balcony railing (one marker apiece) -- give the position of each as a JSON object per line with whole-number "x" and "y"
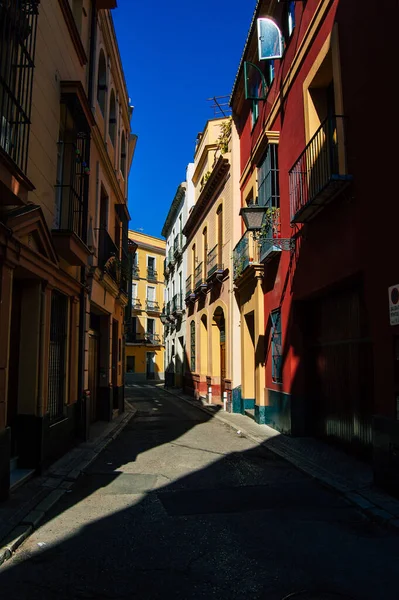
{"x": 152, "y": 306}
{"x": 214, "y": 261}
{"x": 320, "y": 172}
{"x": 152, "y": 275}
{"x": 135, "y": 272}
{"x": 152, "y": 338}
{"x": 177, "y": 245}
{"x": 177, "y": 304}
{"x": 245, "y": 254}
{"x": 199, "y": 279}
{"x": 189, "y": 286}
{"x": 108, "y": 256}
{"x": 136, "y": 304}
{"x": 171, "y": 259}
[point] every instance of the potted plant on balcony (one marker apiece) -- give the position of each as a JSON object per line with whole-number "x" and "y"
{"x": 271, "y": 223}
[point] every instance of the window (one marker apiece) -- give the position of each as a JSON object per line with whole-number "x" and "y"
{"x": 290, "y": 17}
{"x": 123, "y": 156}
{"x": 268, "y": 189}
{"x": 130, "y": 364}
{"x": 102, "y": 82}
{"x": 275, "y": 317}
{"x": 71, "y": 186}
{"x": 192, "y": 346}
{"x": 151, "y": 270}
{"x": 151, "y": 302}
{"x": 112, "y": 118}
{"x": 150, "y": 327}
{"x": 57, "y": 355}
{"x": 134, "y": 293}
{"x": 18, "y": 22}
{"x": 205, "y": 246}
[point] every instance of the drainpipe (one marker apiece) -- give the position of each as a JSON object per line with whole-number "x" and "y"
{"x": 83, "y": 428}
{"x": 41, "y": 349}
{"x": 92, "y": 50}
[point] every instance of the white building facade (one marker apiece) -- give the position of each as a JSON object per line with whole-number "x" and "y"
{"x": 175, "y": 272}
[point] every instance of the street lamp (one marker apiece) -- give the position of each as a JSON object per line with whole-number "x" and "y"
{"x": 253, "y": 216}
{"x": 163, "y": 318}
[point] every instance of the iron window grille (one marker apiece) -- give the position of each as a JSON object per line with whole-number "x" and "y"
{"x": 72, "y": 184}
{"x": 18, "y": 25}
{"x": 275, "y": 317}
{"x": 57, "y": 355}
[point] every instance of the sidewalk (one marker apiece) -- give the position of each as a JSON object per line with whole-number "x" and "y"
{"x": 28, "y": 504}
{"x": 333, "y": 468}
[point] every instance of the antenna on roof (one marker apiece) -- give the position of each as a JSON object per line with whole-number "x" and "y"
{"x": 221, "y": 106}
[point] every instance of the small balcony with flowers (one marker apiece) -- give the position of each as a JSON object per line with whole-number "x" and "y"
{"x": 320, "y": 172}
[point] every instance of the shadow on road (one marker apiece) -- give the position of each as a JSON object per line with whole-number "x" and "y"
{"x": 248, "y": 525}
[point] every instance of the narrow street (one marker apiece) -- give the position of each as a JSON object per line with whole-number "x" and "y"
{"x": 181, "y": 506}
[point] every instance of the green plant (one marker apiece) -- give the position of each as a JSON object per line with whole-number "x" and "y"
{"x": 224, "y": 136}
{"x": 271, "y": 223}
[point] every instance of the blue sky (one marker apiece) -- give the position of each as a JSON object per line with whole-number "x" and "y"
{"x": 175, "y": 55}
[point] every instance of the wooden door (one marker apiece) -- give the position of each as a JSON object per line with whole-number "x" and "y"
{"x": 222, "y": 368}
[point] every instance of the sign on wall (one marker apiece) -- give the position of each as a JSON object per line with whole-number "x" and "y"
{"x": 393, "y": 293}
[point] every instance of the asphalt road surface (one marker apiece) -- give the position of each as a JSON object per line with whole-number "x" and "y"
{"x": 180, "y": 506}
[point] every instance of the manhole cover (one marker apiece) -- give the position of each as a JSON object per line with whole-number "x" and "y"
{"x": 316, "y": 596}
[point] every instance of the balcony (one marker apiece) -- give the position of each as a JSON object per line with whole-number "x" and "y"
{"x": 136, "y": 304}
{"x": 189, "y": 289}
{"x": 165, "y": 268}
{"x": 152, "y": 275}
{"x": 177, "y": 304}
{"x": 108, "y": 256}
{"x": 214, "y": 262}
{"x": 70, "y": 220}
{"x": 320, "y": 172}
{"x": 135, "y": 272}
{"x": 270, "y": 244}
{"x": 245, "y": 255}
{"x": 152, "y": 306}
{"x": 177, "y": 246}
{"x": 199, "y": 279}
{"x": 147, "y": 338}
{"x": 170, "y": 259}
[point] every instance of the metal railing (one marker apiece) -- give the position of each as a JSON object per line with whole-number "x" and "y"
{"x": 72, "y": 188}
{"x": 177, "y": 303}
{"x": 245, "y": 253}
{"x": 135, "y": 272}
{"x": 18, "y": 26}
{"x": 189, "y": 286}
{"x": 199, "y": 276}
{"x": 108, "y": 256}
{"x": 177, "y": 245}
{"x": 321, "y": 167}
{"x": 171, "y": 259}
{"x": 152, "y": 305}
{"x": 214, "y": 261}
{"x": 136, "y": 304}
{"x": 152, "y": 274}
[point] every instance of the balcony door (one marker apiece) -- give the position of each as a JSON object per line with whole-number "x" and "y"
{"x": 150, "y": 365}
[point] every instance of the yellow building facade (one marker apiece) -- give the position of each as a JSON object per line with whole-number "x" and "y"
{"x": 212, "y": 333}
{"x": 65, "y": 152}
{"x": 144, "y": 343}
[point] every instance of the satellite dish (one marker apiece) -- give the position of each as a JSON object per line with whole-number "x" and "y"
{"x": 270, "y": 40}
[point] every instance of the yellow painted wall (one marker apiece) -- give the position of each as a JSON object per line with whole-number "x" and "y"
{"x": 148, "y": 246}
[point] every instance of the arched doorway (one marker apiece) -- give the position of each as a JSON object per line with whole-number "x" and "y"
{"x": 204, "y": 346}
{"x": 219, "y": 348}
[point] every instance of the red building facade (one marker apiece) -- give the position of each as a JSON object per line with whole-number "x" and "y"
{"x": 327, "y": 351}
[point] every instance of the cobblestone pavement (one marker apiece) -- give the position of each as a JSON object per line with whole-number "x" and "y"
{"x": 182, "y": 506}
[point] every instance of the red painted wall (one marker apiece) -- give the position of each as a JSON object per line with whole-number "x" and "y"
{"x": 355, "y": 235}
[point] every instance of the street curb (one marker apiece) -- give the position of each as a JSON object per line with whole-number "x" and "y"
{"x": 354, "y": 496}
{"x": 57, "y": 486}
